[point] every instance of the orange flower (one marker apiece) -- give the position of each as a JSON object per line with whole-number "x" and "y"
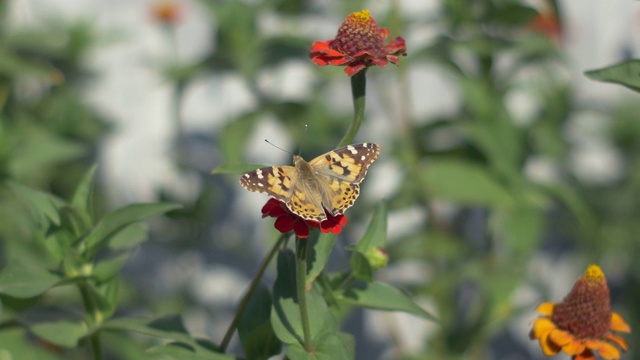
{"x": 359, "y": 43}
{"x": 583, "y": 322}
{"x": 166, "y": 12}
{"x": 548, "y": 24}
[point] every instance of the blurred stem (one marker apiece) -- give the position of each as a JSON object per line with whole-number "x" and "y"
{"x": 301, "y": 275}
{"x": 358, "y": 92}
{"x": 93, "y": 318}
{"x": 252, "y": 287}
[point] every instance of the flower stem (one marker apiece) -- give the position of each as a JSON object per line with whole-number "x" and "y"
{"x": 301, "y": 275}
{"x": 358, "y": 92}
{"x": 93, "y": 318}
{"x": 247, "y": 296}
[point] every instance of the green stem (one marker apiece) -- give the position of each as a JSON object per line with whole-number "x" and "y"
{"x": 301, "y": 275}
{"x": 252, "y": 287}
{"x": 358, "y": 92}
{"x": 93, "y": 318}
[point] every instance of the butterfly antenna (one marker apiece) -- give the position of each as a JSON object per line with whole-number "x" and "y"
{"x": 304, "y": 136}
{"x": 277, "y": 147}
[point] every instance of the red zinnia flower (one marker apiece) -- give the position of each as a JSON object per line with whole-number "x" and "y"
{"x": 548, "y": 24}
{"x": 583, "y": 323}
{"x": 287, "y": 221}
{"x": 359, "y": 43}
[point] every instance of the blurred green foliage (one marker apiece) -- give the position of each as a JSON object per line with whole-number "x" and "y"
{"x": 488, "y": 221}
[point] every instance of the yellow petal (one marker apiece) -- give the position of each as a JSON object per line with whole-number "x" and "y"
{"x": 560, "y": 337}
{"x": 586, "y": 355}
{"x": 609, "y": 352}
{"x": 545, "y": 308}
{"x": 618, "y": 323}
{"x": 592, "y": 344}
{"x": 549, "y": 348}
{"x": 618, "y": 340}
{"x": 574, "y": 347}
{"x": 541, "y": 327}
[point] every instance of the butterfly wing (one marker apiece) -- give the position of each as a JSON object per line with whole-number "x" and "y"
{"x": 340, "y": 172}
{"x": 276, "y": 181}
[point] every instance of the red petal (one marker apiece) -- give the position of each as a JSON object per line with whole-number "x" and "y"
{"x": 274, "y": 208}
{"x": 396, "y": 46}
{"x": 383, "y": 33}
{"x": 301, "y": 229}
{"x": 354, "y": 67}
{"x": 284, "y": 224}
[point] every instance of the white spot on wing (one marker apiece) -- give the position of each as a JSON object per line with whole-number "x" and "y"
{"x": 352, "y": 149}
{"x": 259, "y": 173}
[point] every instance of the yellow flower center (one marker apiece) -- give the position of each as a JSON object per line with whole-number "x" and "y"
{"x": 594, "y": 273}
{"x": 363, "y": 16}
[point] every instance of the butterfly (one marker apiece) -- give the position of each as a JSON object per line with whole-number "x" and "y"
{"x": 331, "y": 181}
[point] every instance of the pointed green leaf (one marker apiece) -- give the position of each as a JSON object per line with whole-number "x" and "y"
{"x": 129, "y": 236}
{"x": 254, "y": 329}
{"x": 180, "y": 351}
{"x": 120, "y": 218}
{"x": 83, "y": 195}
{"x": 376, "y": 234}
{"x": 62, "y": 333}
{"x": 15, "y": 344}
{"x": 320, "y": 247}
{"x": 22, "y": 280}
{"x": 168, "y": 327}
{"x": 360, "y": 266}
{"x": 381, "y": 296}
{"x": 331, "y": 346}
{"x": 625, "y": 73}
{"x": 107, "y": 268}
{"x": 43, "y": 206}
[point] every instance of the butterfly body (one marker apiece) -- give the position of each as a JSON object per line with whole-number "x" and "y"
{"x": 330, "y": 181}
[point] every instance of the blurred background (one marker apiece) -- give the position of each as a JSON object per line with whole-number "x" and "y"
{"x": 506, "y": 171}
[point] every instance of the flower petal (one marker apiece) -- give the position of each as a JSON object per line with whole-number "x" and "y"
{"x": 549, "y": 348}
{"x": 546, "y": 309}
{"x": 618, "y": 340}
{"x": 593, "y": 344}
{"x": 618, "y": 323}
{"x": 301, "y": 229}
{"x": 542, "y": 327}
{"x": 561, "y": 337}
{"x": 284, "y": 224}
{"x": 354, "y": 67}
{"x": 609, "y": 351}
{"x": 586, "y": 355}
{"x": 574, "y": 347}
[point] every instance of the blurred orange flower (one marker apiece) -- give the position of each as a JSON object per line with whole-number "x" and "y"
{"x": 583, "y": 322}
{"x": 167, "y": 12}
{"x": 358, "y": 44}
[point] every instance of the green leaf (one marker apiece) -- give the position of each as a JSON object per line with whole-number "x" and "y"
{"x": 22, "y": 280}
{"x": 254, "y": 329}
{"x": 115, "y": 221}
{"x": 129, "y": 237}
{"x": 285, "y": 314}
{"x": 236, "y": 168}
{"x": 360, "y": 266}
{"x": 43, "y": 206}
{"x": 381, "y": 296}
{"x": 328, "y": 346}
{"x": 376, "y": 234}
{"x": 466, "y": 183}
{"x": 625, "y": 73}
{"x": 168, "y": 327}
{"x": 62, "y": 333}
{"x": 107, "y": 268}
{"x": 15, "y": 344}
{"x": 319, "y": 248}
{"x": 180, "y": 351}
{"x": 83, "y": 195}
